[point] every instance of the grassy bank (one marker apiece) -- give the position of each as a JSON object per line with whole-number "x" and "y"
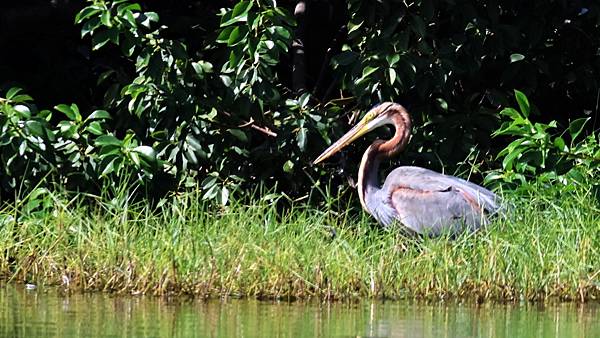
{"x": 547, "y": 247}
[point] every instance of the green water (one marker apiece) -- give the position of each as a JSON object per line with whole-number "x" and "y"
{"x": 49, "y": 313}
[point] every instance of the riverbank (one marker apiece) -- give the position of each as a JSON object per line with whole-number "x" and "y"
{"x": 52, "y": 314}
{"x": 548, "y": 246}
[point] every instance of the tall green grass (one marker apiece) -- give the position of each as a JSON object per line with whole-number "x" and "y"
{"x": 547, "y": 245}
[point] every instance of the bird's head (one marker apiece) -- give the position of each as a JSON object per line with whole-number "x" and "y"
{"x": 379, "y": 115}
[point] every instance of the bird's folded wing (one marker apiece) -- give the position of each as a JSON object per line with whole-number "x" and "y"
{"x": 435, "y": 211}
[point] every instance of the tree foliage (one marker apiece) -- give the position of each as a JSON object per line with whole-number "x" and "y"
{"x": 230, "y": 97}
{"x": 539, "y": 153}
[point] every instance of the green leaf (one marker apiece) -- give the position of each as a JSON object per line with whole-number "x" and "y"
{"x": 240, "y": 135}
{"x": 22, "y": 98}
{"x": 210, "y": 116}
{"x": 352, "y": 26}
{"x": 198, "y": 69}
{"x": 493, "y": 176}
{"x": 190, "y": 155}
{"x": 288, "y": 166}
{"x": 211, "y": 193}
{"x": 301, "y": 138}
{"x": 576, "y": 127}
{"x": 368, "y": 70}
{"x": 576, "y": 175}
{"x": 507, "y": 163}
{"x": 519, "y": 143}
{"x": 23, "y": 110}
{"x": 75, "y": 110}
{"x": 22, "y": 148}
{"x": 67, "y": 129}
{"x": 107, "y": 165}
{"x": 152, "y": 16}
{"x": 105, "y": 75}
{"x": 227, "y": 79}
{"x": 282, "y": 33}
{"x": 224, "y": 35}
{"x": 106, "y": 140}
{"x": 67, "y": 110}
{"x": 237, "y": 35}
{"x": 559, "y": 143}
{"x": 392, "y": 75}
{"x": 194, "y": 144}
{"x": 135, "y": 158}
{"x": 224, "y": 195}
{"x": 242, "y": 8}
{"x": 95, "y": 128}
{"x": 103, "y": 37}
{"x": 239, "y": 13}
{"x": 99, "y": 115}
{"x": 12, "y": 92}
{"x": 202, "y": 67}
{"x": 511, "y": 113}
{"x": 523, "y": 103}
{"x": 90, "y": 26}
{"x": 129, "y": 18}
{"x": 392, "y": 59}
{"x": 86, "y": 13}
{"x": 105, "y": 19}
{"x": 36, "y": 128}
{"x": 128, "y": 7}
{"x": 516, "y": 57}
{"x": 147, "y": 156}
{"x": 304, "y": 99}
{"x": 285, "y": 15}
{"x": 234, "y": 59}
{"x": 209, "y": 181}
{"x": 442, "y": 103}
{"x": 146, "y": 19}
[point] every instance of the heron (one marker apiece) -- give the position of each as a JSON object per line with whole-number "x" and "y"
{"x": 421, "y": 200}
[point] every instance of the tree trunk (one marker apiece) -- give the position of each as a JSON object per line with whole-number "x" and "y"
{"x": 299, "y": 66}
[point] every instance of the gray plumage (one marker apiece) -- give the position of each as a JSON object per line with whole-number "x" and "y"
{"x": 425, "y": 201}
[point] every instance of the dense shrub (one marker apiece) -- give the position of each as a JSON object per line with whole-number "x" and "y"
{"x": 252, "y": 92}
{"x": 73, "y": 152}
{"x": 542, "y": 154}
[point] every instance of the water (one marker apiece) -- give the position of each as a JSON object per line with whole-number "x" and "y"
{"x": 49, "y": 313}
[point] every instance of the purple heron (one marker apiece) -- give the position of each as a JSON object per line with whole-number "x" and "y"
{"x": 422, "y": 200}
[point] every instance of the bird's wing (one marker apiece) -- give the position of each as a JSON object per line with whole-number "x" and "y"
{"x": 426, "y": 201}
{"x": 417, "y": 178}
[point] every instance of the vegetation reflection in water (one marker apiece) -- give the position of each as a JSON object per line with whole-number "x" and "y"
{"x": 38, "y": 313}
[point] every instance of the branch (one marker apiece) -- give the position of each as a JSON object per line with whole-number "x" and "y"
{"x": 251, "y": 124}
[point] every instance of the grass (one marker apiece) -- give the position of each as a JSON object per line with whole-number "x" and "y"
{"x": 547, "y": 247}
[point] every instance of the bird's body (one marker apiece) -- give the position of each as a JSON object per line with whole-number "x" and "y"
{"x": 425, "y": 201}
{"x": 422, "y": 200}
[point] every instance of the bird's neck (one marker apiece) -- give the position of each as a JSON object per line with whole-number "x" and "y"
{"x": 368, "y": 180}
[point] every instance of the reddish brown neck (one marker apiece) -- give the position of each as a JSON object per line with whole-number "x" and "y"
{"x": 402, "y": 123}
{"x": 379, "y": 150}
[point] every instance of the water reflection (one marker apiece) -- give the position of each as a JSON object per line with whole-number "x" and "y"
{"x": 47, "y": 313}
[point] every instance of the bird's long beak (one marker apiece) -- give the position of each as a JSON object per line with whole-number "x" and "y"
{"x": 357, "y": 131}
{"x": 365, "y": 125}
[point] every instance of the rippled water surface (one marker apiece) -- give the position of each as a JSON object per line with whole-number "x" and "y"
{"x": 49, "y": 313}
